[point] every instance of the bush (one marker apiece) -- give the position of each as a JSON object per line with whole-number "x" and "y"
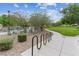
{"x": 5, "y": 44}
{"x": 22, "y": 37}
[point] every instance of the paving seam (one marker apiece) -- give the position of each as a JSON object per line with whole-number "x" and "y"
{"x": 62, "y": 46}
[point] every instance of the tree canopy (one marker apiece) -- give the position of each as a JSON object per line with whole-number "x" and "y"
{"x": 71, "y": 14}
{"x": 39, "y": 20}
{"x": 13, "y": 20}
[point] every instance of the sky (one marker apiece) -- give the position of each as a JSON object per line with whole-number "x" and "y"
{"x": 51, "y": 9}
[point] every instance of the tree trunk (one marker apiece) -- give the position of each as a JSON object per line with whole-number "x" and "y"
{"x": 41, "y": 28}
{"x": 9, "y": 30}
{"x": 24, "y": 29}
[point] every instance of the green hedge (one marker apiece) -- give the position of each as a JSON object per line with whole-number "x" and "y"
{"x": 22, "y": 37}
{"x": 5, "y": 44}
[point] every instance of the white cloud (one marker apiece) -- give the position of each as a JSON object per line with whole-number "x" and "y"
{"x": 23, "y": 11}
{"x": 28, "y": 11}
{"x": 54, "y": 15}
{"x": 25, "y": 5}
{"x": 53, "y": 4}
{"x": 42, "y": 7}
{"x": 45, "y": 5}
{"x": 61, "y": 9}
{"x": 16, "y": 5}
{"x": 67, "y": 3}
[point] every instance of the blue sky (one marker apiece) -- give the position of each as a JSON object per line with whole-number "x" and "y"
{"x": 52, "y": 9}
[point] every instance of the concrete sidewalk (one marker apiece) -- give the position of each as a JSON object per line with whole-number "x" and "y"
{"x": 58, "y": 46}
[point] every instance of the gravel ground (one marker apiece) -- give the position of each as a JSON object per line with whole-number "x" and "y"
{"x": 18, "y": 47}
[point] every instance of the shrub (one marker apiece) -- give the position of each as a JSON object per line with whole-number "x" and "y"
{"x": 22, "y": 37}
{"x": 5, "y": 44}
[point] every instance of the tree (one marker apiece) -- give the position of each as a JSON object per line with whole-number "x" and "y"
{"x": 69, "y": 19}
{"x": 22, "y": 21}
{"x": 13, "y": 20}
{"x": 8, "y": 21}
{"x": 39, "y": 20}
{"x": 3, "y": 20}
{"x": 71, "y": 14}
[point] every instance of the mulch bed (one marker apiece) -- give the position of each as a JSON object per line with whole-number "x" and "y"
{"x": 18, "y": 47}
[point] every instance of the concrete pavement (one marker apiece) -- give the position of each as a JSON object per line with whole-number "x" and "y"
{"x": 59, "y": 46}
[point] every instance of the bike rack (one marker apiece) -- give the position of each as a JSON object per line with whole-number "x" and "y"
{"x": 33, "y": 43}
{"x": 42, "y": 38}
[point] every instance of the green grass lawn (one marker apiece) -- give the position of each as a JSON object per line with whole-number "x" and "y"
{"x": 67, "y": 31}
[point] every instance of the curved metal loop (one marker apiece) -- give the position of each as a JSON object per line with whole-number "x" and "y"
{"x": 42, "y": 38}
{"x": 37, "y": 43}
{"x": 40, "y": 43}
{"x": 50, "y": 35}
{"x": 33, "y": 42}
{"x": 47, "y": 36}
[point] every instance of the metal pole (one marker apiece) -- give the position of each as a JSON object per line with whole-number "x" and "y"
{"x": 9, "y": 22}
{"x": 33, "y": 42}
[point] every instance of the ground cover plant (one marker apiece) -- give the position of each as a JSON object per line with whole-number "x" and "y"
{"x": 5, "y": 44}
{"x": 67, "y": 31}
{"x": 22, "y": 37}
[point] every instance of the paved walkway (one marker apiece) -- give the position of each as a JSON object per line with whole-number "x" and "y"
{"x": 58, "y": 46}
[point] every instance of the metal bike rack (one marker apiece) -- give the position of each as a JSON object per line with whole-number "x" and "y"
{"x": 50, "y": 36}
{"x": 47, "y": 36}
{"x": 33, "y": 43}
{"x": 42, "y": 38}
